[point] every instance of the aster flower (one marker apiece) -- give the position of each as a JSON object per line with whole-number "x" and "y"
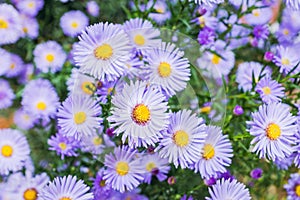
{"x": 256, "y": 173}
{"x": 285, "y": 163}
{"x": 123, "y": 171}
{"x": 294, "y": 4}
{"x": 208, "y": 2}
{"x": 167, "y": 68}
{"x": 92, "y": 8}
{"x": 206, "y": 21}
{"x": 40, "y": 99}
{"x": 269, "y": 90}
{"x": 162, "y": 13}
{"x": 274, "y": 129}
{"x": 101, "y": 190}
{"x": 73, "y": 22}
{"x": 142, "y": 34}
{"x": 286, "y": 58}
{"x": 5, "y": 59}
{"x": 78, "y": 116}
{"x": 30, "y": 27}
{"x": 261, "y": 32}
{"x": 293, "y": 187}
{"x": 260, "y": 15}
{"x": 30, "y": 7}
{"x": 6, "y": 94}
{"x": 16, "y": 66}
{"x": 23, "y": 120}
{"x": 226, "y": 189}
{"x": 238, "y": 110}
{"x": 139, "y": 112}
{"x": 10, "y": 24}
{"x": 183, "y": 140}
{"x": 155, "y": 166}
{"x": 102, "y": 51}
{"x": 67, "y": 187}
{"x": 49, "y": 56}
{"x": 216, "y": 153}
{"x": 14, "y": 151}
{"x": 206, "y": 36}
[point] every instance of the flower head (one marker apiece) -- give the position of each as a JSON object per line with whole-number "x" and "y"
{"x": 6, "y": 94}
{"x": 293, "y": 187}
{"x": 73, "y": 22}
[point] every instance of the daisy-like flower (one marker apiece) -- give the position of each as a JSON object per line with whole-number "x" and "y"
{"x": 162, "y": 12}
{"x": 5, "y": 59}
{"x": 30, "y": 7}
{"x": 139, "y": 112}
{"x": 293, "y": 187}
{"x": 92, "y": 8}
{"x": 30, "y": 27}
{"x": 63, "y": 145}
{"x": 269, "y": 90}
{"x": 66, "y": 188}
{"x": 73, "y": 22}
{"x": 286, "y": 58}
{"x": 274, "y": 129}
{"x": 102, "y": 51}
{"x": 6, "y": 94}
{"x": 40, "y": 99}
{"x": 14, "y": 151}
{"x": 227, "y": 189}
{"x": 208, "y": 2}
{"x": 23, "y": 120}
{"x": 124, "y": 171}
{"x": 294, "y": 4}
{"x": 10, "y": 24}
{"x": 101, "y": 190}
{"x": 155, "y": 166}
{"x": 183, "y": 141}
{"x": 16, "y": 66}
{"x": 260, "y": 15}
{"x": 142, "y": 34}
{"x": 167, "y": 68}
{"x": 216, "y": 153}
{"x": 49, "y": 56}
{"x": 78, "y": 116}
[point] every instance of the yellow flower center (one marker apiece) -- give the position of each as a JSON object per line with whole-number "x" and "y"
{"x": 25, "y": 29}
{"x": 7, "y": 151}
{"x": 266, "y": 90}
{"x": 150, "y": 166}
{"x": 97, "y": 141}
{"x": 285, "y": 61}
{"x": 297, "y": 190}
{"x": 88, "y": 87}
{"x": 256, "y": 13}
{"x": 208, "y": 151}
{"x": 122, "y": 168}
{"x": 41, "y": 105}
{"x": 181, "y": 138}
{"x": 79, "y": 117}
{"x": 273, "y": 131}
{"x": 139, "y": 40}
{"x": 102, "y": 183}
{"x": 160, "y": 10}
{"x": 286, "y": 31}
{"x": 62, "y": 146}
{"x": 109, "y": 90}
{"x": 30, "y": 194}
{"x": 201, "y": 20}
{"x": 103, "y": 52}
{"x": 31, "y": 4}
{"x": 74, "y": 24}
{"x": 12, "y": 66}
{"x": 50, "y": 57}
{"x": 3, "y": 24}
{"x": 215, "y": 59}
{"x": 205, "y": 109}
{"x": 141, "y": 114}
{"x": 65, "y": 198}
{"x": 164, "y": 69}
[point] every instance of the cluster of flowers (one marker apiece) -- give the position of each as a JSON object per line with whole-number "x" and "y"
{"x": 117, "y": 108}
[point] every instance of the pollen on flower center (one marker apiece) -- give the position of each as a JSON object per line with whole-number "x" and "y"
{"x": 256, "y": 13}
{"x": 62, "y": 146}
{"x": 50, "y": 57}
{"x": 97, "y": 141}
{"x": 139, "y": 39}
{"x": 102, "y": 183}
{"x": 273, "y": 131}
{"x": 160, "y": 10}
{"x": 266, "y": 90}
{"x": 7, "y": 151}
{"x": 41, "y": 105}
{"x": 181, "y": 138}
{"x": 208, "y": 151}
{"x": 103, "y": 52}
{"x": 3, "y": 24}
{"x": 285, "y": 61}
{"x": 74, "y": 24}
{"x": 164, "y": 69}
{"x": 122, "y": 168}
{"x": 65, "y": 198}
{"x": 150, "y": 166}
{"x": 286, "y": 31}
{"x": 31, "y": 5}
{"x": 30, "y": 194}
{"x": 297, "y": 190}
{"x": 79, "y": 117}
{"x": 88, "y": 87}
{"x": 140, "y": 114}
{"x": 215, "y": 59}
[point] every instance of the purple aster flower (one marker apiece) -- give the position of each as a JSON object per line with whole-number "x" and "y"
{"x": 286, "y": 34}
{"x": 183, "y": 141}
{"x": 63, "y": 145}
{"x": 49, "y": 56}
{"x": 210, "y": 181}
{"x": 206, "y": 36}
{"x": 285, "y": 163}
{"x": 293, "y": 187}
{"x": 131, "y": 195}
{"x": 66, "y": 188}
{"x": 171, "y": 180}
{"x": 124, "y": 171}
{"x": 23, "y": 120}
{"x": 256, "y": 173}
{"x": 40, "y": 99}
{"x": 216, "y": 153}
{"x": 208, "y": 2}
{"x": 27, "y": 74}
{"x": 206, "y": 20}
{"x": 185, "y": 197}
{"x": 226, "y": 189}
{"x": 30, "y": 7}
{"x": 30, "y": 27}
{"x": 6, "y": 94}
{"x": 92, "y": 8}
{"x": 162, "y": 12}
{"x": 73, "y": 22}
{"x": 14, "y": 151}
{"x": 290, "y": 18}
{"x": 78, "y": 116}
{"x": 102, "y": 51}
{"x": 269, "y": 90}
{"x": 107, "y": 89}
{"x": 260, "y": 15}
{"x": 10, "y": 24}
{"x": 101, "y": 190}
{"x": 274, "y": 129}
{"x": 268, "y": 56}
{"x": 294, "y": 4}
{"x": 238, "y": 110}
{"x": 16, "y": 66}
{"x": 286, "y": 58}
{"x": 5, "y": 59}
{"x": 261, "y": 31}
